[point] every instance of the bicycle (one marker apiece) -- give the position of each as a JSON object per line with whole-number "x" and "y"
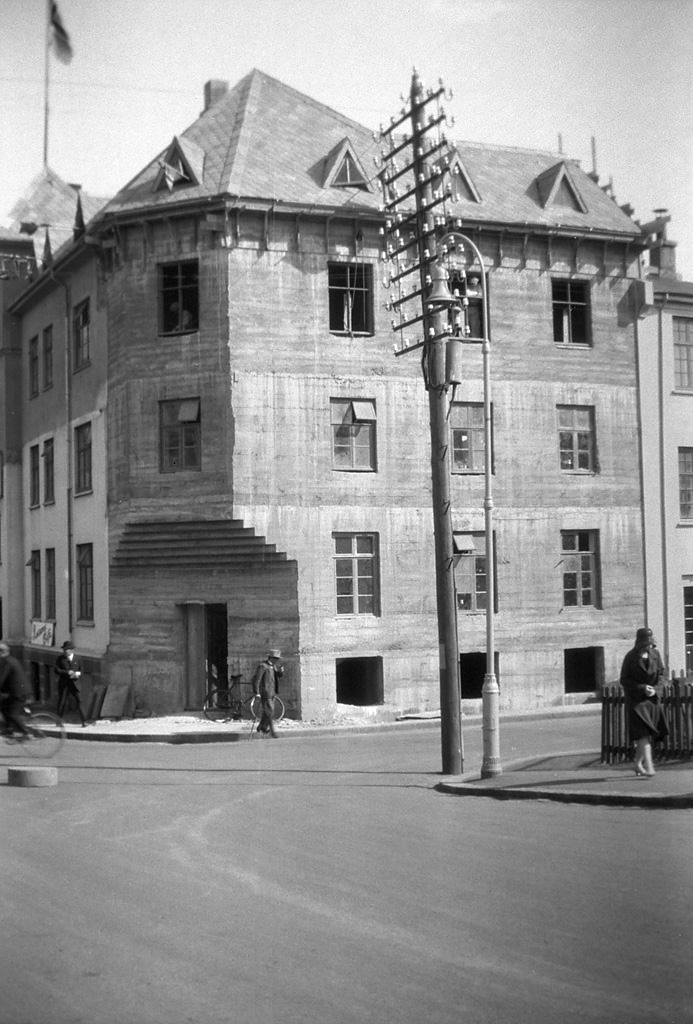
{"x": 45, "y": 735}
{"x": 225, "y": 704}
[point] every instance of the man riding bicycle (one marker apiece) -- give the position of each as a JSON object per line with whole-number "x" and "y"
{"x": 12, "y": 692}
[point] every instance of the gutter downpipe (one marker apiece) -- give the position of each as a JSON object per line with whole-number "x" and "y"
{"x": 68, "y": 450}
{"x": 662, "y": 480}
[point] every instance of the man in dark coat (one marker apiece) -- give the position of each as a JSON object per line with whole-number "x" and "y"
{"x": 68, "y": 669}
{"x": 12, "y": 691}
{"x": 265, "y": 684}
{"x": 641, "y": 671}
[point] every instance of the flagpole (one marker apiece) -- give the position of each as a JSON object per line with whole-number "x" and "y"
{"x": 47, "y": 39}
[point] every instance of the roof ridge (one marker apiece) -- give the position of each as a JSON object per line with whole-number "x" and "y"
{"x": 311, "y": 101}
{"x": 237, "y": 151}
{"x": 475, "y": 144}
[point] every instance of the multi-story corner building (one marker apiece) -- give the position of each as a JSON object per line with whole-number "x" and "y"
{"x": 665, "y": 354}
{"x": 240, "y": 462}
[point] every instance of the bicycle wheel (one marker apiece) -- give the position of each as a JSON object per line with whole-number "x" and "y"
{"x": 46, "y": 734}
{"x": 221, "y": 705}
{"x": 256, "y": 708}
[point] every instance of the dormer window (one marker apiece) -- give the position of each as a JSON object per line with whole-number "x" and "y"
{"x": 557, "y": 188}
{"x": 343, "y": 168}
{"x": 460, "y": 180}
{"x": 349, "y": 174}
{"x": 181, "y": 165}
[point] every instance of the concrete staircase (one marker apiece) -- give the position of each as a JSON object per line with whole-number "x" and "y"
{"x": 195, "y": 544}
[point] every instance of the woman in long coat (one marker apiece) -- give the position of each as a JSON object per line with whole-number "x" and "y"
{"x": 641, "y": 671}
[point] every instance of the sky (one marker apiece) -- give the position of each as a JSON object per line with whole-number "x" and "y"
{"x": 522, "y": 72}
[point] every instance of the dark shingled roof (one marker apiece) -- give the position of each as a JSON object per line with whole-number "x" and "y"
{"x": 52, "y": 201}
{"x": 264, "y": 140}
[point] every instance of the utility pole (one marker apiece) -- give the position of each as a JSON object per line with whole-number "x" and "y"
{"x": 412, "y": 247}
{"x": 428, "y": 243}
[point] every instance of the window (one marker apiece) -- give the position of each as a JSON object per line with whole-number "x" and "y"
{"x": 583, "y": 669}
{"x": 683, "y": 353}
{"x": 580, "y": 564}
{"x": 50, "y": 583}
{"x": 471, "y": 582}
{"x": 576, "y": 438}
{"x": 688, "y": 627}
{"x": 48, "y": 357}
{"x": 349, "y": 174}
{"x": 33, "y": 367}
{"x": 467, "y": 437}
{"x": 570, "y": 312}
{"x": 48, "y": 472}
{"x": 178, "y": 297}
{"x": 353, "y": 434}
{"x": 80, "y": 336}
{"x": 83, "y": 482}
{"x": 85, "y": 582}
{"x": 35, "y": 572}
{"x": 686, "y": 483}
{"x": 356, "y": 573}
{"x": 34, "y": 476}
{"x": 180, "y": 435}
{"x": 360, "y": 681}
{"x": 350, "y": 288}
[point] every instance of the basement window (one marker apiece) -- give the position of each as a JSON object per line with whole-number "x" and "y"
{"x": 360, "y": 681}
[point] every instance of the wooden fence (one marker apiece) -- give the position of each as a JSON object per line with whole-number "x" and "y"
{"x": 676, "y": 699}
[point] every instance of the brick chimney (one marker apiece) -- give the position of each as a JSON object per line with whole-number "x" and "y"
{"x": 662, "y": 250}
{"x": 215, "y": 89}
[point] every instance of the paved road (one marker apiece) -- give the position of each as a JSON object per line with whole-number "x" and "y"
{"x": 325, "y": 880}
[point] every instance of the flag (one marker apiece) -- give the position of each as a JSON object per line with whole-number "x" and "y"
{"x": 59, "y": 37}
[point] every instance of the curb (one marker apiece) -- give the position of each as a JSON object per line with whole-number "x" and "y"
{"x": 232, "y": 736}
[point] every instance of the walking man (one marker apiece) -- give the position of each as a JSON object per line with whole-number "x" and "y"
{"x": 68, "y": 669}
{"x": 265, "y": 682}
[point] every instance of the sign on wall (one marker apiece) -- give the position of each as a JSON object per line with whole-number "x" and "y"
{"x": 42, "y": 633}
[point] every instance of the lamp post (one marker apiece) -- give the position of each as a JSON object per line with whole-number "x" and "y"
{"x": 454, "y": 242}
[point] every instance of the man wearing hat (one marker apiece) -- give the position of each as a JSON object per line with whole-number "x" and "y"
{"x": 265, "y": 680}
{"x": 12, "y": 691}
{"x": 68, "y": 669}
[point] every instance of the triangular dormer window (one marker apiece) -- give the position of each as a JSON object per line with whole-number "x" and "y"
{"x": 343, "y": 169}
{"x": 459, "y": 179}
{"x": 181, "y": 165}
{"x": 557, "y": 188}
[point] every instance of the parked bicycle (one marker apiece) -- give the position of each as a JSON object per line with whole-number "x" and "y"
{"x": 226, "y": 704}
{"x": 44, "y": 737}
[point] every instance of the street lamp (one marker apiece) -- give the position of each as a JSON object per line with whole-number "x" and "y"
{"x": 452, "y": 248}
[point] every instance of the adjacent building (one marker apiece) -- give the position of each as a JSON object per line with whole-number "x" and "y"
{"x": 665, "y": 354}
{"x": 220, "y": 453}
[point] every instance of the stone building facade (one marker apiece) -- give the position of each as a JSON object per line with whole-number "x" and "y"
{"x": 260, "y": 461}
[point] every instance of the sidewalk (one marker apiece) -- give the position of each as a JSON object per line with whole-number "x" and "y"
{"x": 581, "y": 778}
{"x": 563, "y": 776}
